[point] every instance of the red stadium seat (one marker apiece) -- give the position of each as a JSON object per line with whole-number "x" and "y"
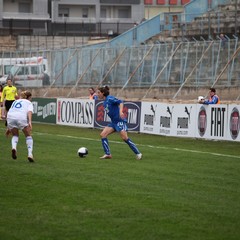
{"x": 148, "y": 2}
{"x": 173, "y": 2}
{"x": 183, "y": 2}
{"x": 161, "y": 2}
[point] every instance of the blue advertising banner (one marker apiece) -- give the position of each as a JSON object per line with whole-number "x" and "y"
{"x": 132, "y": 111}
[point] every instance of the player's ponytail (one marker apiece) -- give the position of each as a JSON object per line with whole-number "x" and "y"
{"x": 26, "y": 94}
{"x": 105, "y": 90}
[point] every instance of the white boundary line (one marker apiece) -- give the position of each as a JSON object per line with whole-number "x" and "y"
{"x": 150, "y": 146}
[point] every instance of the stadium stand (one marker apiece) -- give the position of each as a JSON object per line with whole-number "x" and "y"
{"x": 150, "y": 62}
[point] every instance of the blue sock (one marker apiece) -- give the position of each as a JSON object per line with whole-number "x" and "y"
{"x": 132, "y": 146}
{"x": 105, "y": 146}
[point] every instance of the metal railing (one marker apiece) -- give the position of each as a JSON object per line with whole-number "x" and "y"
{"x": 176, "y": 64}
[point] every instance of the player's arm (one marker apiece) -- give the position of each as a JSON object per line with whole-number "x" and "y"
{"x": 29, "y": 115}
{"x": 16, "y": 95}
{"x": 2, "y": 97}
{"x": 213, "y": 101}
{"x": 121, "y": 114}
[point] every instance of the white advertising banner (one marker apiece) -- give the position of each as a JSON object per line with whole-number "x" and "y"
{"x": 75, "y": 112}
{"x": 233, "y": 122}
{"x": 149, "y": 122}
{"x": 211, "y": 121}
{"x": 218, "y": 121}
{"x": 168, "y": 119}
{"x": 183, "y": 120}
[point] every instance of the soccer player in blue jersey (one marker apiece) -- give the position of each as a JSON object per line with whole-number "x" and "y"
{"x": 114, "y": 109}
{"x": 213, "y": 98}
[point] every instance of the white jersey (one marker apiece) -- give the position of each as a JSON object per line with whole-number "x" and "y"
{"x": 20, "y": 109}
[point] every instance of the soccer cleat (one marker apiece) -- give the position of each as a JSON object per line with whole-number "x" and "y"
{"x": 14, "y": 154}
{"x": 30, "y": 158}
{"x": 139, "y": 156}
{"x": 105, "y": 156}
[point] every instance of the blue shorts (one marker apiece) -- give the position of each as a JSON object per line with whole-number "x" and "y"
{"x": 118, "y": 127}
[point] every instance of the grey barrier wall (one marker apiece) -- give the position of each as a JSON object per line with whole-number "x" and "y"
{"x": 218, "y": 122}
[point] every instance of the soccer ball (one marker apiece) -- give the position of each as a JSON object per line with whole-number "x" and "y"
{"x": 200, "y": 98}
{"x": 82, "y": 152}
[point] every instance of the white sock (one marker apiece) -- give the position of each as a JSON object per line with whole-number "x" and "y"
{"x": 14, "y": 142}
{"x": 29, "y": 142}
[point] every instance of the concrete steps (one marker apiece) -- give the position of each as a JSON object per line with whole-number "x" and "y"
{"x": 221, "y": 20}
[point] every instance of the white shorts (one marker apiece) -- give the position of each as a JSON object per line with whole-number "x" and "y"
{"x": 16, "y": 123}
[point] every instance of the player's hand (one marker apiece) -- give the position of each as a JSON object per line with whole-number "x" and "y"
{"x": 30, "y": 126}
{"x": 122, "y": 115}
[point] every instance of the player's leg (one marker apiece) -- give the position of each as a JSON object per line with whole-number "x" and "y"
{"x": 29, "y": 142}
{"x": 8, "y": 105}
{"x": 14, "y": 141}
{"x": 105, "y": 132}
{"x": 130, "y": 143}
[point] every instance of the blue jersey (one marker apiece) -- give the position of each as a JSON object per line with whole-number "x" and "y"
{"x": 214, "y": 100}
{"x": 111, "y": 106}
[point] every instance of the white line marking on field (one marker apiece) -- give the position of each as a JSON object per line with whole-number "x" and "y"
{"x": 150, "y": 146}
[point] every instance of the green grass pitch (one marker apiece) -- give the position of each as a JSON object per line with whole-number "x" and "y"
{"x": 181, "y": 189}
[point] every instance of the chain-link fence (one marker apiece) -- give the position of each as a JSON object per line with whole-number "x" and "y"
{"x": 177, "y": 64}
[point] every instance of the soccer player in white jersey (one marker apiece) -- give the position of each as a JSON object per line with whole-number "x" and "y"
{"x": 20, "y": 118}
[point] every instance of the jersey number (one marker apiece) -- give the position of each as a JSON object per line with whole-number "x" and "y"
{"x": 17, "y": 104}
